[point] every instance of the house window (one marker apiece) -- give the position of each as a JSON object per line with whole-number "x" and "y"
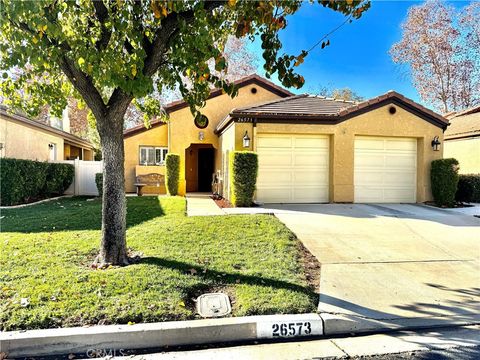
{"x": 150, "y": 155}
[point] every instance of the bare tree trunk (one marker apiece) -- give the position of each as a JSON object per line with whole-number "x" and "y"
{"x": 113, "y": 249}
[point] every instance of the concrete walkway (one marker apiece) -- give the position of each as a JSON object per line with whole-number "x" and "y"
{"x": 201, "y": 204}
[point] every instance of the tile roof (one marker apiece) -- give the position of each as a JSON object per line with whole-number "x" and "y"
{"x": 298, "y": 105}
{"x": 180, "y": 104}
{"x": 318, "y": 109}
{"x": 464, "y": 124}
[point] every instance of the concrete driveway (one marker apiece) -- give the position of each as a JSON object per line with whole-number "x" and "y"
{"x": 388, "y": 262}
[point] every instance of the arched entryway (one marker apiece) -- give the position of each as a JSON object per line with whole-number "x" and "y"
{"x": 199, "y": 167}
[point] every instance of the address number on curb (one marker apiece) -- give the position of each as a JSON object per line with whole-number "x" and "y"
{"x": 287, "y": 329}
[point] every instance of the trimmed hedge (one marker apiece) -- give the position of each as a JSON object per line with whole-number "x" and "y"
{"x": 243, "y": 177}
{"x": 24, "y": 181}
{"x": 99, "y": 183}
{"x": 444, "y": 178}
{"x": 468, "y": 188}
{"x": 172, "y": 173}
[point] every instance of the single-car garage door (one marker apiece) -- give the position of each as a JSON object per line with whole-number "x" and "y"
{"x": 385, "y": 169}
{"x": 292, "y": 168}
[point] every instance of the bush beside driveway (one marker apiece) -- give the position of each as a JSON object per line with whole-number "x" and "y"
{"x": 46, "y": 251}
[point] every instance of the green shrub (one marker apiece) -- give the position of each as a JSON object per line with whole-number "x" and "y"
{"x": 59, "y": 178}
{"x": 243, "y": 177}
{"x": 468, "y": 188}
{"x": 99, "y": 183}
{"x": 172, "y": 173}
{"x": 444, "y": 177}
{"x": 23, "y": 181}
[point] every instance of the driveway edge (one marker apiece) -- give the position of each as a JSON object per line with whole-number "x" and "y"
{"x": 110, "y": 338}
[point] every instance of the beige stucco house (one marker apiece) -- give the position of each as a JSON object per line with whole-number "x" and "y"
{"x": 23, "y": 138}
{"x": 311, "y": 149}
{"x": 462, "y": 140}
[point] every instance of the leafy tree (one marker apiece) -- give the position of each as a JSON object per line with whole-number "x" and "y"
{"x": 108, "y": 53}
{"x": 241, "y": 62}
{"x": 441, "y": 49}
{"x": 345, "y": 93}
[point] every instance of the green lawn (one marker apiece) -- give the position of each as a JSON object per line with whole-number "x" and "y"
{"x": 46, "y": 251}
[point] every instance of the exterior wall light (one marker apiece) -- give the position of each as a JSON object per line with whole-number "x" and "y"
{"x": 50, "y": 146}
{"x": 201, "y": 135}
{"x": 436, "y": 144}
{"x": 246, "y": 140}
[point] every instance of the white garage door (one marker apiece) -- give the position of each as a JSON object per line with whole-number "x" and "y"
{"x": 385, "y": 169}
{"x": 292, "y": 168}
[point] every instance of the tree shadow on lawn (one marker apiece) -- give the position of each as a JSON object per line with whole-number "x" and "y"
{"x": 76, "y": 213}
{"x": 214, "y": 279}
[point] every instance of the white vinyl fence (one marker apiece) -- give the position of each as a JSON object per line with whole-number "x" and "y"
{"x": 84, "y": 180}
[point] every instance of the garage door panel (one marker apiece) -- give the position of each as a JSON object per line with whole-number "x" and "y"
{"x": 310, "y": 142}
{"x": 310, "y": 159}
{"x": 368, "y": 194}
{"x": 401, "y": 161}
{"x": 280, "y": 142}
{"x": 398, "y": 195}
{"x": 369, "y": 160}
{"x": 369, "y": 143}
{"x": 281, "y": 194}
{"x": 310, "y": 194}
{"x": 400, "y": 179}
{"x": 292, "y": 168}
{"x": 385, "y": 169}
{"x": 368, "y": 177}
{"x": 280, "y": 158}
{"x": 401, "y": 144}
{"x": 310, "y": 180}
{"x": 275, "y": 177}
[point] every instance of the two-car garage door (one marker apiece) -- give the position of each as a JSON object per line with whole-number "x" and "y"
{"x": 292, "y": 168}
{"x": 385, "y": 169}
{"x": 295, "y": 169}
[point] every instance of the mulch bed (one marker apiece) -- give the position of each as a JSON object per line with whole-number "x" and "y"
{"x": 311, "y": 266}
{"x": 221, "y": 202}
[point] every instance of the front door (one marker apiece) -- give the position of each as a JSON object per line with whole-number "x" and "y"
{"x": 205, "y": 169}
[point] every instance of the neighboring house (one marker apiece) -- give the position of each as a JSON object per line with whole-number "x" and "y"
{"x": 462, "y": 140}
{"x": 311, "y": 149}
{"x": 22, "y": 138}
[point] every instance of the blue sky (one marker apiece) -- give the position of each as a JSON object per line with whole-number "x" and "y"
{"x": 358, "y": 56}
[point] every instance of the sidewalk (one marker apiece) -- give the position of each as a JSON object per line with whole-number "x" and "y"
{"x": 201, "y": 204}
{"x": 360, "y": 346}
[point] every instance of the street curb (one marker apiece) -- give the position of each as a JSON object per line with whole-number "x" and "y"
{"x": 143, "y": 336}
{"x": 340, "y": 324}
{"x": 111, "y": 338}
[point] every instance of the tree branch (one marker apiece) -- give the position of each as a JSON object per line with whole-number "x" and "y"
{"x": 101, "y": 12}
{"x": 84, "y": 85}
{"x": 168, "y": 31}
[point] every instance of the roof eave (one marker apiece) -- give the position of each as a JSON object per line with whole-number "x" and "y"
{"x": 343, "y": 115}
{"x": 78, "y": 141}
